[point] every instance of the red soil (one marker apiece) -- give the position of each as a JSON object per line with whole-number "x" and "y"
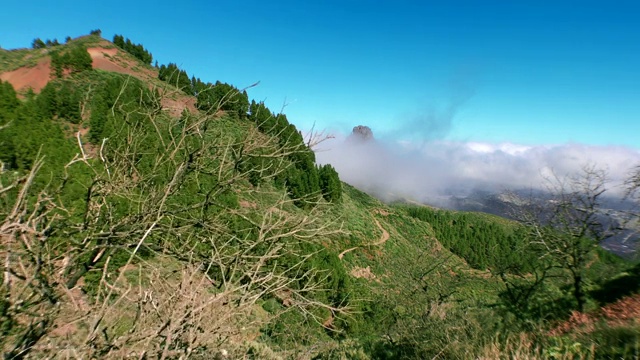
{"x": 105, "y": 59}
{"x": 29, "y": 77}
{"x": 112, "y": 60}
{"x": 176, "y": 106}
{"x": 626, "y": 309}
{"x": 622, "y": 312}
{"x": 38, "y": 76}
{"x": 108, "y": 59}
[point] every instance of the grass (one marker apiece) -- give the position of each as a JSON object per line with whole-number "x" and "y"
{"x": 13, "y": 59}
{"x": 26, "y": 57}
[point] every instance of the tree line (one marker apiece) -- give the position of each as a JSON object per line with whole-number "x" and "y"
{"x": 137, "y": 50}
{"x": 482, "y": 243}
{"x": 305, "y": 181}
{"x": 37, "y": 43}
{"x": 27, "y": 130}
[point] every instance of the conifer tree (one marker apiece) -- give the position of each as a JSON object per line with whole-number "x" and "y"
{"x": 330, "y": 183}
{"x": 38, "y": 44}
{"x": 79, "y": 60}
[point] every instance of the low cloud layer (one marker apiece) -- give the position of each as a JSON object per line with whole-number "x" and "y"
{"x": 433, "y": 170}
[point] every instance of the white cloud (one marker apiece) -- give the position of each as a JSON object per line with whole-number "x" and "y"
{"x": 431, "y": 170}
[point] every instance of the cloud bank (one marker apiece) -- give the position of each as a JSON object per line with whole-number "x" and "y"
{"x": 432, "y": 171}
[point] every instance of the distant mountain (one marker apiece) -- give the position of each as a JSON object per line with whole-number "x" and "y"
{"x": 625, "y": 243}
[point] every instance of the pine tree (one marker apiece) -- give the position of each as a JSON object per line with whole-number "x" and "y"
{"x": 330, "y": 183}
{"x": 56, "y": 64}
{"x": 99, "y": 111}
{"x": 8, "y": 99}
{"x": 79, "y": 60}
{"x": 48, "y": 101}
{"x": 118, "y": 40}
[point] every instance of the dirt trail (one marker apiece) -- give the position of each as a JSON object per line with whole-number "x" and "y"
{"x": 385, "y": 234}
{"x": 383, "y": 238}
{"x": 346, "y": 251}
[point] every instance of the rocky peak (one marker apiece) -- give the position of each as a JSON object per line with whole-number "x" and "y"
{"x": 361, "y": 133}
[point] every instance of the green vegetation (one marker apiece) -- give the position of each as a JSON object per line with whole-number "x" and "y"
{"x": 127, "y": 231}
{"x": 218, "y": 96}
{"x": 137, "y": 50}
{"x": 483, "y": 242}
{"x": 179, "y": 78}
{"x": 28, "y": 132}
{"x": 39, "y": 44}
{"x": 74, "y": 60}
{"x": 17, "y": 58}
{"x": 330, "y": 183}
{"x": 13, "y": 59}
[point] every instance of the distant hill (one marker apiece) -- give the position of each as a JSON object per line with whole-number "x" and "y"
{"x": 625, "y": 243}
{"x": 31, "y": 69}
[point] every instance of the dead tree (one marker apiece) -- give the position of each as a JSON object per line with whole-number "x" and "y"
{"x": 568, "y": 226}
{"x": 168, "y": 187}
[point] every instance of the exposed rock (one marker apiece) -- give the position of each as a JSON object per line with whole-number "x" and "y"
{"x": 361, "y": 133}
{"x": 366, "y": 273}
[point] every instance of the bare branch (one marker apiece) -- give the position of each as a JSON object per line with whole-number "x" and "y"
{"x": 159, "y": 187}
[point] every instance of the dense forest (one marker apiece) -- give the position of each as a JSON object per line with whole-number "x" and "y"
{"x": 131, "y": 232}
{"x": 484, "y": 243}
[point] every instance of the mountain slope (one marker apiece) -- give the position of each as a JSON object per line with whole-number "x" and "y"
{"x": 140, "y": 229}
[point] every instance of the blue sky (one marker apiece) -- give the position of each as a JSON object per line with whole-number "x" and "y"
{"x": 526, "y": 72}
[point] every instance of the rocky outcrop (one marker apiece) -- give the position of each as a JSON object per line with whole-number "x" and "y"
{"x": 361, "y": 133}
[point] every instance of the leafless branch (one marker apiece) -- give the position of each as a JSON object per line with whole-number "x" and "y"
{"x": 170, "y": 205}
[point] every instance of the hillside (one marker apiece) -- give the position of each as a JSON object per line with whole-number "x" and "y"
{"x": 145, "y": 213}
{"x": 28, "y": 69}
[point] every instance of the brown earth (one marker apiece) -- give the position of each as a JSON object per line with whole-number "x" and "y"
{"x": 29, "y": 77}
{"x": 366, "y": 273}
{"x": 177, "y": 105}
{"x": 385, "y": 234}
{"x": 625, "y": 311}
{"x": 382, "y": 212}
{"x": 111, "y": 59}
{"x": 104, "y": 58}
{"x": 341, "y": 255}
{"x": 248, "y": 204}
{"x": 328, "y": 323}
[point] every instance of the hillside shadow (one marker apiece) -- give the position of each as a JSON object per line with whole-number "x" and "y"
{"x": 619, "y": 287}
